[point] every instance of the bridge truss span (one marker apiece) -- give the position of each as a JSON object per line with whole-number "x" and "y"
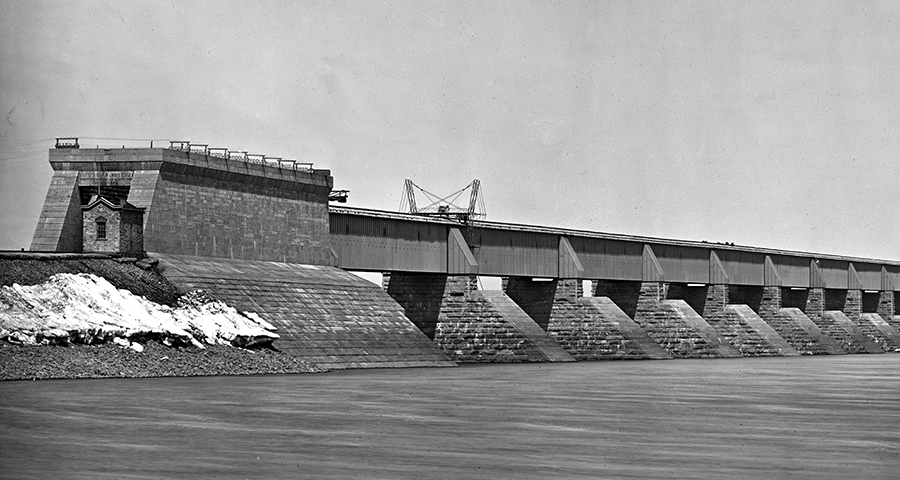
{"x": 373, "y": 240}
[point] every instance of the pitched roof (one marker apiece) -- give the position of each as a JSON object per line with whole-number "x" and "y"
{"x": 96, "y": 200}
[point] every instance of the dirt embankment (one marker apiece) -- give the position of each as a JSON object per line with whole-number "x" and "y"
{"x": 34, "y": 268}
{"x": 103, "y": 360}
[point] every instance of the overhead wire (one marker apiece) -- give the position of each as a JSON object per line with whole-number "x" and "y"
{"x": 22, "y": 155}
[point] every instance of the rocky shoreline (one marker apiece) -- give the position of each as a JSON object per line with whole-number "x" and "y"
{"x": 41, "y": 362}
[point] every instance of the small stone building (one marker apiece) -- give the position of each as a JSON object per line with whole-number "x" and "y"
{"x": 112, "y": 228}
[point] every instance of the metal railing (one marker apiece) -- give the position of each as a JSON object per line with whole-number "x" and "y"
{"x": 220, "y": 152}
{"x": 241, "y": 155}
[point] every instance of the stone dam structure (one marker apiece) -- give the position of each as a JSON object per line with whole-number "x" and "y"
{"x": 259, "y": 234}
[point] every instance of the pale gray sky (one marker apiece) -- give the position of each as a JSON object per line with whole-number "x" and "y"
{"x": 771, "y": 124}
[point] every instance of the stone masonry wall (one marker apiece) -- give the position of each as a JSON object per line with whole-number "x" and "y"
{"x": 664, "y": 324}
{"x": 585, "y": 330}
{"x": 207, "y": 216}
{"x": 880, "y": 331}
{"x": 59, "y": 226}
{"x": 886, "y": 304}
{"x": 324, "y": 315}
{"x": 710, "y": 301}
{"x": 770, "y": 304}
{"x": 748, "y": 339}
{"x": 730, "y": 325}
{"x": 91, "y": 241}
{"x": 785, "y": 321}
{"x": 467, "y": 327}
{"x": 843, "y": 338}
{"x": 815, "y": 304}
{"x": 853, "y": 306}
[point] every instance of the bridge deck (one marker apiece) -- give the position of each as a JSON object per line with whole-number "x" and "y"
{"x": 374, "y": 240}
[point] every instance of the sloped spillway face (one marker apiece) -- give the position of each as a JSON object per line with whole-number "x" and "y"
{"x": 324, "y": 315}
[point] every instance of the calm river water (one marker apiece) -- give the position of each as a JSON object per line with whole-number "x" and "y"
{"x": 799, "y": 417}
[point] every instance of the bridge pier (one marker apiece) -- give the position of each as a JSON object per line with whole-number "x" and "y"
{"x": 736, "y": 322}
{"x": 672, "y": 323}
{"x": 841, "y": 319}
{"x": 784, "y": 310}
{"x": 879, "y": 326}
{"x": 468, "y": 324}
{"x": 887, "y": 304}
{"x": 587, "y": 328}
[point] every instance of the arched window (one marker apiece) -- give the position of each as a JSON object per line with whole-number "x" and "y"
{"x": 101, "y": 228}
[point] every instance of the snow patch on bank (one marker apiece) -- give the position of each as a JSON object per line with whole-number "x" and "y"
{"x": 85, "y": 308}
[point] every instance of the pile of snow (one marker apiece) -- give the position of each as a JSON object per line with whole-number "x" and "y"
{"x": 85, "y": 308}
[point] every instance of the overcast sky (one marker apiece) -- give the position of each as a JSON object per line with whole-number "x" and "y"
{"x": 771, "y": 124}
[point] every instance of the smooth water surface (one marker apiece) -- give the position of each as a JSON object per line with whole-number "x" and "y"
{"x": 796, "y": 417}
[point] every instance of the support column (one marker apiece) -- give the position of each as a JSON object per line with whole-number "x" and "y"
{"x": 770, "y": 303}
{"x": 853, "y": 305}
{"x": 716, "y": 301}
{"x": 815, "y": 304}
{"x": 887, "y": 304}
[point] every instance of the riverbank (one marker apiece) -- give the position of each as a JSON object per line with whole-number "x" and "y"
{"x": 95, "y": 356}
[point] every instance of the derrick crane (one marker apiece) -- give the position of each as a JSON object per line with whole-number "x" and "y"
{"x": 444, "y": 206}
